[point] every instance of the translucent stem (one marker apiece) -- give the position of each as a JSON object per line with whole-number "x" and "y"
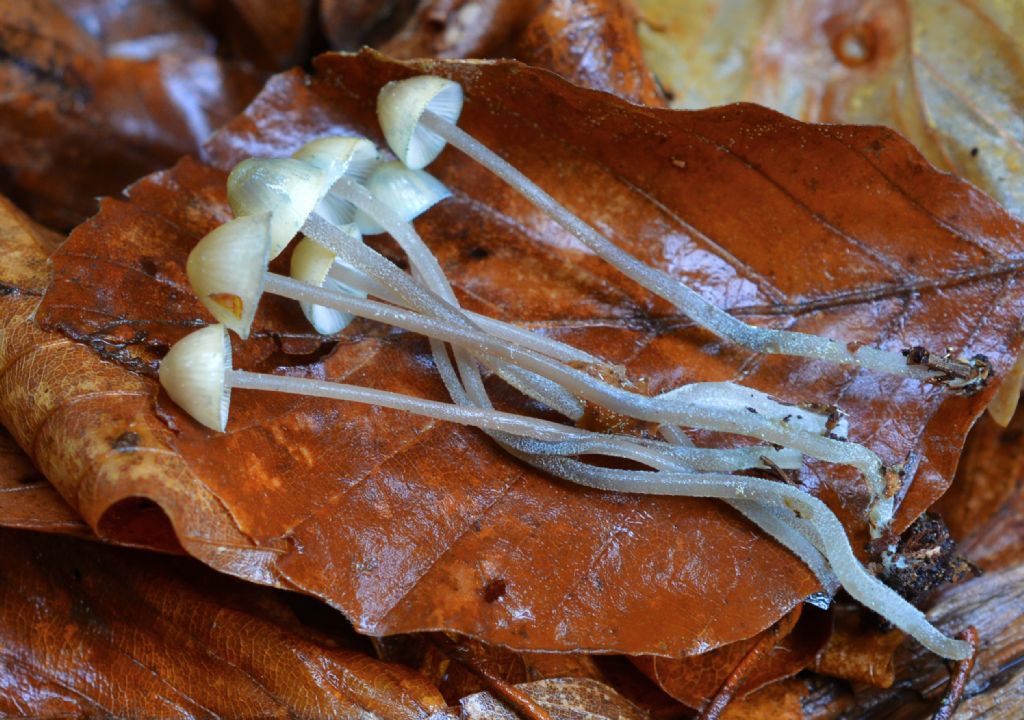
{"x": 704, "y": 313}
{"x": 427, "y": 266}
{"x": 500, "y": 329}
{"x": 557, "y": 439}
{"x": 657, "y": 409}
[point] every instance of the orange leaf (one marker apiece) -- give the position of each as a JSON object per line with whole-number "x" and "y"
{"x": 405, "y": 524}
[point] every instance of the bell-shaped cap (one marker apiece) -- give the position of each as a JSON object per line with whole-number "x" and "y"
{"x": 337, "y": 157}
{"x": 408, "y": 192}
{"x": 193, "y": 373}
{"x": 228, "y": 267}
{"x": 311, "y": 264}
{"x": 287, "y": 188}
{"x": 400, "y": 106}
{"x": 352, "y": 157}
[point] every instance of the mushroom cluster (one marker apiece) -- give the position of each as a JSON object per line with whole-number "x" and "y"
{"x": 335, "y": 190}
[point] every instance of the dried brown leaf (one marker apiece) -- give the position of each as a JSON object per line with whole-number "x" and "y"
{"x": 695, "y": 679}
{"x": 90, "y": 631}
{"x": 562, "y": 698}
{"x": 27, "y": 500}
{"x": 404, "y": 524}
{"x": 948, "y": 75}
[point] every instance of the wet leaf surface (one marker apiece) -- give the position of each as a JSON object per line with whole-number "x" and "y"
{"x": 985, "y": 505}
{"x": 403, "y": 524}
{"x": 89, "y": 631}
{"x": 98, "y": 93}
{"x": 88, "y": 423}
{"x": 593, "y": 43}
{"x": 948, "y": 75}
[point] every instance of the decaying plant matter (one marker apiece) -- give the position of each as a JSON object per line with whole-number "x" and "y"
{"x": 405, "y": 523}
{"x": 276, "y": 198}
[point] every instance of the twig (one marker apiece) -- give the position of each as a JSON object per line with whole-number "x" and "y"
{"x": 958, "y": 679}
{"x": 713, "y": 710}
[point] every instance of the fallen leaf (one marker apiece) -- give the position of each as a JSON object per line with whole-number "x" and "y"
{"x": 694, "y": 680}
{"x": 858, "y": 652}
{"x": 948, "y": 75}
{"x": 778, "y": 701}
{"x": 92, "y": 631}
{"x": 462, "y": 666}
{"x": 406, "y": 523}
{"x": 86, "y": 421}
{"x": 97, "y": 94}
{"x": 593, "y": 43}
{"x": 27, "y": 500}
{"x": 984, "y": 508}
{"x": 461, "y": 28}
{"x": 563, "y": 698}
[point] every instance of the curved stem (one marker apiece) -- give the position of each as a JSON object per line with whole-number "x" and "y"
{"x": 427, "y": 266}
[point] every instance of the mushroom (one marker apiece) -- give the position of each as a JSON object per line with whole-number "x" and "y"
{"x": 228, "y": 271}
{"x": 408, "y": 192}
{"x": 313, "y": 264}
{"x": 286, "y": 188}
{"x": 554, "y": 383}
{"x": 198, "y": 376}
{"x": 418, "y": 116}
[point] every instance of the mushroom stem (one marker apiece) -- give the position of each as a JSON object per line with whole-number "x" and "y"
{"x": 793, "y": 535}
{"x": 704, "y": 313}
{"x": 555, "y": 439}
{"x": 679, "y": 410}
{"x": 502, "y": 330}
{"x": 425, "y": 264}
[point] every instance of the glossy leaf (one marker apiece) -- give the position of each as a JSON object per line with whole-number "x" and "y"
{"x": 97, "y": 94}
{"x": 985, "y": 506}
{"x": 948, "y": 75}
{"x": 89, "y": 631}
{"x": 594, "y": 43}
{"x": 409, "y": 525}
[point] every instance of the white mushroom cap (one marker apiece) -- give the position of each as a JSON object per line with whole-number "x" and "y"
{"x": 401, "y": 104}
{"x": 193, "y": 374}
{"x": 408, "y": 192}
{"x": 289, "y": 189}
{"x": 311, "y": 263}
{"x": 338, "y": 157}
{"x": 228, "y": 267}
{"x": 353, "y": 157}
